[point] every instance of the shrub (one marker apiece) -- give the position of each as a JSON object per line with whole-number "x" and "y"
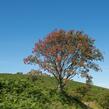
{"x": 104, "y": 100}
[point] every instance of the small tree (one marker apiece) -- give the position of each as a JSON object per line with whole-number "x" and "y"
{"x": 65, "y": 54}
{"x": 33, "y": 74}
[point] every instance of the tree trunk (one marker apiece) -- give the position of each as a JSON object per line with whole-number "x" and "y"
{"x": 60, "y": 87}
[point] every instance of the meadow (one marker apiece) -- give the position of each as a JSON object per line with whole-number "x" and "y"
{"x": 22, "y": 91}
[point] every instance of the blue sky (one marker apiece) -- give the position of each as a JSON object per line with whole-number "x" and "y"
{"x": 23, "y": 22}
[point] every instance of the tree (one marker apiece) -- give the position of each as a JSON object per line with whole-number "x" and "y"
{"x": 65, "y": 54}
{"x": 33, "y": 74}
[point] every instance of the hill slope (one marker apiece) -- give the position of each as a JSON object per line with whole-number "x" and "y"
{"x": 25, "y": 92}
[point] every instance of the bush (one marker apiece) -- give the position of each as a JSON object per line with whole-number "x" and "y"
{"x": 82, "y": 91}
{"x": 104, "y": 100}
{"x": 19, "y": 73}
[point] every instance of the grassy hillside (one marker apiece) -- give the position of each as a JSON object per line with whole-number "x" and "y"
{"x": 19, "y": 91}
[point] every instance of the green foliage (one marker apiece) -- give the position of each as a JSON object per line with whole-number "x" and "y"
{"x": 104, "y": 100}
{"x": 81, "y": 92}
{"x": 19, "y": 92}
{"x": 20, "y": 73}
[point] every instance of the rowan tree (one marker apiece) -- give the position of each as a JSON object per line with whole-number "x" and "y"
{"x": 65, "y": 54}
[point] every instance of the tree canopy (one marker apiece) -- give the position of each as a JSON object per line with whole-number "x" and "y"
{"x": 65, "y": 54}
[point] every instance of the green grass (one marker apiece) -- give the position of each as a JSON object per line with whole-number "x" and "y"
{"x": 20, "y": 92}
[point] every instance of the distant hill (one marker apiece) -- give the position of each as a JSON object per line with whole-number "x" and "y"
{"x": 19, "y": 91}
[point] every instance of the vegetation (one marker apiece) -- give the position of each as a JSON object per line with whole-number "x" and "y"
{"x": 104, "y": 100}
{"x": 65, "y": 54}
{"x": 18, "y": 91}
